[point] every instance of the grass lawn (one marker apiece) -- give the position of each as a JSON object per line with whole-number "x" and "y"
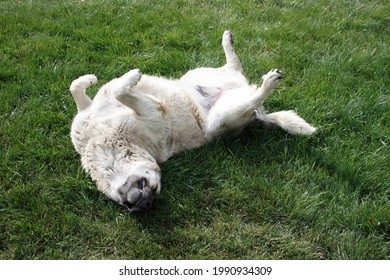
{"x": 264, "y": 195}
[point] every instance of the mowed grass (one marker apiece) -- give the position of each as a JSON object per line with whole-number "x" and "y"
{"x": 263, "y": 195}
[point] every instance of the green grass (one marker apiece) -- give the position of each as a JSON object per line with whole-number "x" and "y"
{"x": 264, "y": 195}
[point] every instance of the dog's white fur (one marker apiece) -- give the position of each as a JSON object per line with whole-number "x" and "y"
{"x": 137, "y": 121}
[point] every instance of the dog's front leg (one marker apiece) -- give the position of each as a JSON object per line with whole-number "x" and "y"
{"x": 125, "y": 92}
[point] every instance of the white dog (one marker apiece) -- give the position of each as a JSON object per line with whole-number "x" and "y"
{"x": 137, "y": 121}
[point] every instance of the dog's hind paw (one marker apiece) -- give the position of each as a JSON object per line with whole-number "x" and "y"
{"x": 227, "y": 38}
{"x": 272, "y": 78}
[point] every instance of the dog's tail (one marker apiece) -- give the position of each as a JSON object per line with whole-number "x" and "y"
{"x": 288, "y": 121}
{"x": 78, "y": 89}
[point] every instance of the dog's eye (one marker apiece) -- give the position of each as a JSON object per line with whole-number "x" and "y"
{"x": 142, "y": 183}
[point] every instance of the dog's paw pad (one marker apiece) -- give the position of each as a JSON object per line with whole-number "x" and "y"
{"x": 273, "y": 77}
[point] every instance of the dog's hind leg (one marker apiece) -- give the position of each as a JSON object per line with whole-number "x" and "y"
{"x": 142, "y": 104}
{"x": 78, "y": 89}
{"x": 232, "y": 60}
{"x": 287, "y": 120}
{"x": 235, "y": 109}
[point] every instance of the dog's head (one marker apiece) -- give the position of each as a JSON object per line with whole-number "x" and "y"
{"x": 126, "y": 174}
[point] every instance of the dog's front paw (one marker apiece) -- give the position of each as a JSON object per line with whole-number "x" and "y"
{"x": 131, "y": 78}
{"x": 272, "y": 78}
{"x": 84, "y": 82}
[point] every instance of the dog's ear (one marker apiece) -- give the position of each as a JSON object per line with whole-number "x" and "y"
{"x": 104, "y": 162}
{"x": 99, "y": 158}
{"x": 106, "y": 157}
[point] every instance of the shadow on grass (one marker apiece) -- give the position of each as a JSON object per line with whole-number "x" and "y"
{"x": 215, "y": 179}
